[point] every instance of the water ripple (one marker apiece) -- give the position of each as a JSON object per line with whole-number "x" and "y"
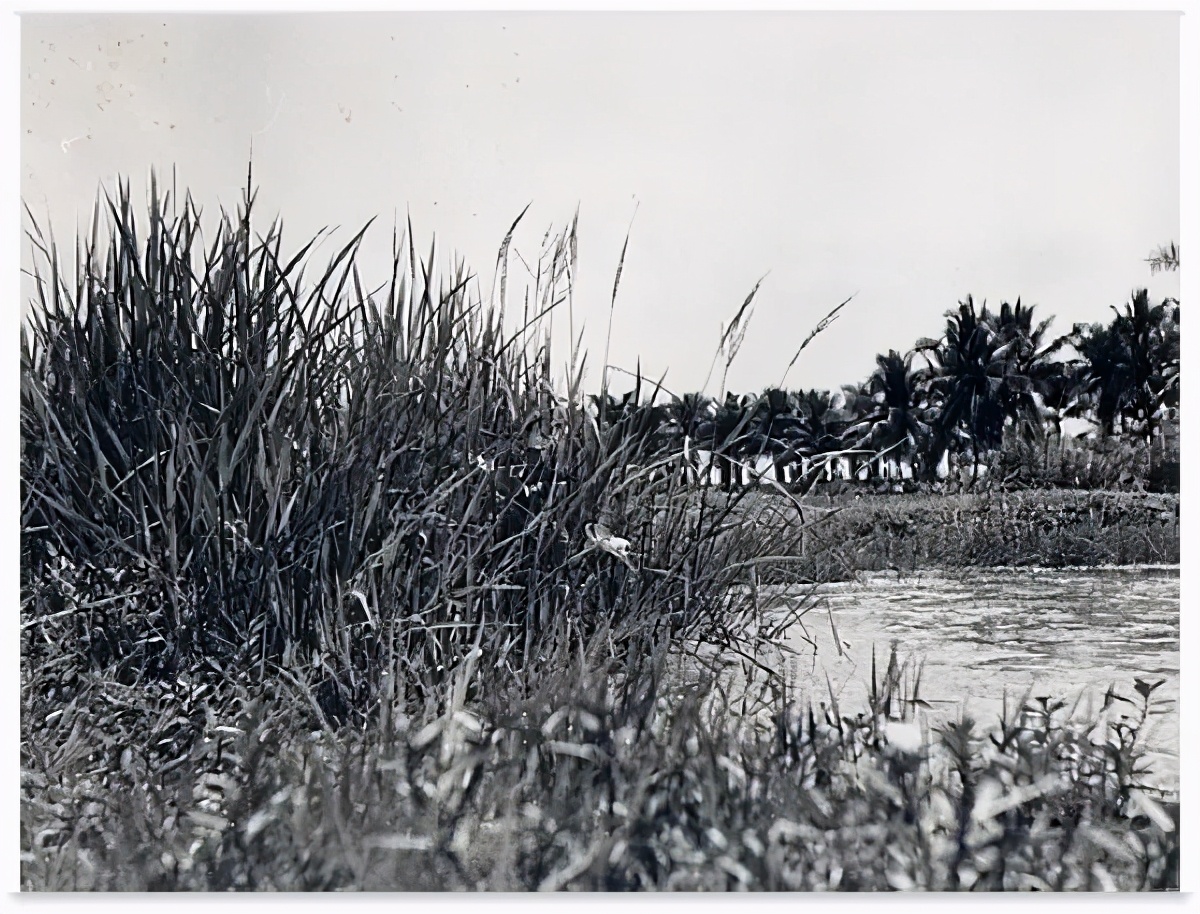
{"x": 1069, "y": 632}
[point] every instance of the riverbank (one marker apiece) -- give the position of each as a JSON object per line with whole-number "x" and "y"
{"x": 854, "y": 532}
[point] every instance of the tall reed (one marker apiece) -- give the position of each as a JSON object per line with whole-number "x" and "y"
{"x": 226, "y": 460}
{"x": 327, "y": 586}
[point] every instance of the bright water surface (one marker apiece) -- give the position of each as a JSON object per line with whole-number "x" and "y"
{"x": 1065, "y": 633}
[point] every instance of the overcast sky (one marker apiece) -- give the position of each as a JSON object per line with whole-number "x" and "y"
{"x": 906, "y": 158}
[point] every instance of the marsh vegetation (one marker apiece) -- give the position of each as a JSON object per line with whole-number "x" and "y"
{"x": 333, "y": 586}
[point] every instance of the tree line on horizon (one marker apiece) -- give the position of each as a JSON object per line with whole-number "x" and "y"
{"x": 993, "y": 375}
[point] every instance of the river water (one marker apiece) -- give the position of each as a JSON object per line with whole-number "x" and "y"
{"x": 982, "y": 632}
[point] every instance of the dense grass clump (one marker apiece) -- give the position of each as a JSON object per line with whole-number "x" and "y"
{"x": 223, "y": 463}
{"x": 330, "y": 586}
{"x": 583, "y": 780}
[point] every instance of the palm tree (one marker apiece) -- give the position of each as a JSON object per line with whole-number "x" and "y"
{"x": 1131, "y": 367}
{"x": 1104, "y": 371}
{"x": 1151, "y": 335}
{"x": 825, "y": 423}
{"x": 686, "y": 420}
{"x": 1028, "y": 368}
{"x": 1165, "y": 258}
{"x": 986, "y": 374}
{"x": 819, "y": 420}
{"x": 967, "y": 375}
{"x": 1063, "y": 394}
{"x": 775, "y": 429}
{"x": 900, "y": 420}
{"x": 729, "y": 438}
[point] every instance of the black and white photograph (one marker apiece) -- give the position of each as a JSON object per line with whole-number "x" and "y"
{"x": 601, "y": 451}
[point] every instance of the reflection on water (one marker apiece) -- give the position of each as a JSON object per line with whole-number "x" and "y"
{"x": 1068, "y": 633}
